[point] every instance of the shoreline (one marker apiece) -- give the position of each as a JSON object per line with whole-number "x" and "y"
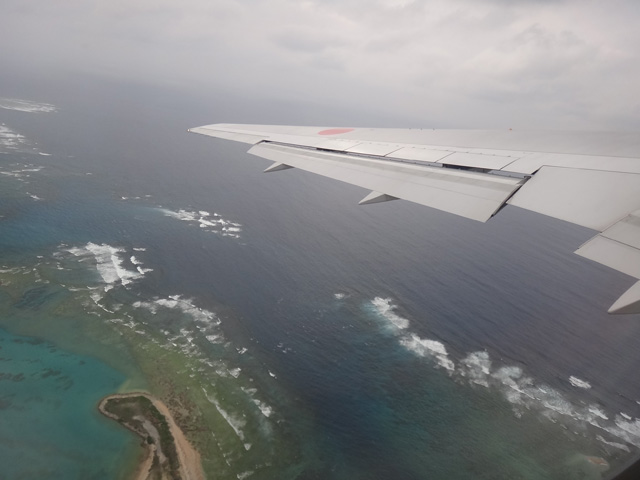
{"x": 188, "y": 458}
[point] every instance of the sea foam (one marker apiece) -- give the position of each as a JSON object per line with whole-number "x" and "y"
{"x": 476, "y": 367}
{"x": 523, "y": 391}
{"x": 576, "y": 382}
{"x": 265, "y": 409}
{"x": 237, "y": 424}
{"x": 518, "y": 388}
{"x": 207, "y": 221}
{"x": 12, "y": 141}
{"x": 9, "y": 139}
{"x": 27, "y": 106}
{"x": 423, "y": 347}
{"x": 386, "y": 309}
{"x": 108, "y": 264}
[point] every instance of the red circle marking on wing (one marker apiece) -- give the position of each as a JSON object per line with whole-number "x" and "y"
{"x": 335, "y": 131}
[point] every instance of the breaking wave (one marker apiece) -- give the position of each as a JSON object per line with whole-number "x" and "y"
{"x": 237, "y": 424}
{"x": 13, "y": 142}
{"x": 10, "y": 140}
{"x": 386, "y": 309}
{"x": 210, "y": 222}
{"x": 19, "y": 172}
{"x": 109, "y": 264}
{"x": 27, "y": 106}
{"x": 422, "y": 347}
{"x": 425, "y": 347}
{"x": 265, "y": 409}
{"x": 521, "y": 390}
{"x": 576, "y": 382}
{"x": 185, "y": 305}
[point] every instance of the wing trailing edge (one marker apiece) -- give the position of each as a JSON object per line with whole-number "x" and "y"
{"x": 591, "y": 179}
{"x": 469, "y": 194}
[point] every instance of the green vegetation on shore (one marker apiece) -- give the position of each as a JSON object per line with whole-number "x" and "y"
{"x": 220, "y": 398}
{"x": 138, "y": 414}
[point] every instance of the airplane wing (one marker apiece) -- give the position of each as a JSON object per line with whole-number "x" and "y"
{"x": 591, "y": 179}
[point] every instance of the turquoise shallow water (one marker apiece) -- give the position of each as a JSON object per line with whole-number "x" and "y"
{"x": 321, "y": 339}
{"x": 49, "y": 423}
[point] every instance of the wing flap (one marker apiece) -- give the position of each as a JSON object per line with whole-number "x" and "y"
{"x": 336, "y": 144}
{"x": 475, "y": 160}
{"x": 591, "y": 198}
{"x": 629, "y": 302}
{"x": 531, "y": 162}
{"x": 613, "y": 254}
{"x": 473, "y": 195}
{"x": 377, "y": 149}
{"x": 626, "y": 231}
{"x": 618, "y": 247}
{"x": 420, "y": 154}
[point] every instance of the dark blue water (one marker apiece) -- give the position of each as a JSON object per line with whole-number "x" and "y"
{"x": 384, "y": 341}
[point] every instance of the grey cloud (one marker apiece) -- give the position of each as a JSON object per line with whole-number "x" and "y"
{"x": 307, "y": 42}
{"x": 325, "y": 62}
{"x": 459, "y": 61}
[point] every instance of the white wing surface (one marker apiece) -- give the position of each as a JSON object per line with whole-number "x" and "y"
{"x": 591, "y": 179}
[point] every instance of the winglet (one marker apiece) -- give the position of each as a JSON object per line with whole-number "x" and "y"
{"x": 277, "y": 166}
{"x": 629, "y": 302}
{"x": 376, "y": 197}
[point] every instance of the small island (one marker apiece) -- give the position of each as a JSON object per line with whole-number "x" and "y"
{"x": 168, "y": 454}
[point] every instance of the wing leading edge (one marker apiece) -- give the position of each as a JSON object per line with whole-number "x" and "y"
{"x": 591, "y": 179}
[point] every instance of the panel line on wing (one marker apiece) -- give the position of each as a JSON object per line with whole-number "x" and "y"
{"x": 470, "y": 194}
{"x": 384, "y": 158}
{"x": 480, "y": 179}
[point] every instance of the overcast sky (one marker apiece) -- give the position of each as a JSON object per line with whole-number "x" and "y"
{"x": 463, "y": 63}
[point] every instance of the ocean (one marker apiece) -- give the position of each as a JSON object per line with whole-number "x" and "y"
{"x": 295, "y": 334}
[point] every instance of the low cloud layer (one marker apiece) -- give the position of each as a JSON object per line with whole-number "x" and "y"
{"x": 464, "y": 63}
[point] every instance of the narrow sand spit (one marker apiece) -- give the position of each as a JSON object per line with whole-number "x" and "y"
{"x": 190, "y": 464}
{"x": 190, "y": 467}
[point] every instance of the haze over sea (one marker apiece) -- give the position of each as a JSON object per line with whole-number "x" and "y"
{"x": 293, "y": 333}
